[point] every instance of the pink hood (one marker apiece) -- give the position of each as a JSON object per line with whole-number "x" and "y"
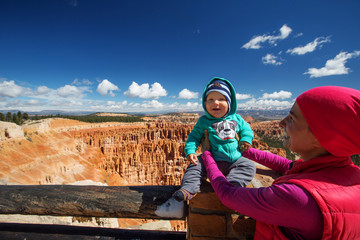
{"x": 333, "y": 114}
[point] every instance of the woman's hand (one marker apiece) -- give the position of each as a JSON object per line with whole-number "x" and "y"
{"x": 206, "y": 156}
{"x": 207, "y": 145}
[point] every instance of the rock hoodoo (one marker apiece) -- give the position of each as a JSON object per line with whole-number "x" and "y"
{"x": 142, "y": 154}
{"x": 60, "y": 151}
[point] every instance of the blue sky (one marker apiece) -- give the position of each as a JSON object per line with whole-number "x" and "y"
{"x": 157, "y": 55}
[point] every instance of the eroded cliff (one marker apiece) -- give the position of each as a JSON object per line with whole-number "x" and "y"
{"x": 141, "y": 154}
{"x": 60, "y": 151}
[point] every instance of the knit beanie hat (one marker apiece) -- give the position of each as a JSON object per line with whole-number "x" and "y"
{"x": 333, "y": 115}
{"x": 219, "y": 86}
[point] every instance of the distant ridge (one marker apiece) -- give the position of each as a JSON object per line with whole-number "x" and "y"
{"x": 258, "y": 114}
{"x": 265, "y": 114}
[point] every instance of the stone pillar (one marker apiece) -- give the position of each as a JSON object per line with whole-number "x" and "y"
{"x": 209, "y": 219}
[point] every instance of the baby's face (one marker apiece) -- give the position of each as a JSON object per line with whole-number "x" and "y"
{"x": 216, "y": 104}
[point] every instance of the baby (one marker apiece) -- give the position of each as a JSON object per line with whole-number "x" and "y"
{"x": 223, "y": 126}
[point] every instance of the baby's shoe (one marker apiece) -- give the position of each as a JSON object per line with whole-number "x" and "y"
{"x": 171, "y": 209}
{"x": 182, "y": 195}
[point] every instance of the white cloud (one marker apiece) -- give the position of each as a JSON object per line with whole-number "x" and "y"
{"x": 255, "y": 42}
{"x": 82, "y": 82}
{"x": 193, "y": 106}
{"x": 33, "y": 102}
{"x": 10, "y": 89}
{"x": 68, "y": 90}
{"x": 271, "y": 60}
{"x": 276, "y": 95}
{"x": 71, "y": 98}
{"x": 242, "y": 96}
{"x": 187, "y": 94}
{"x": 271, "y": 104}
{"x": 144, "y": 91}
{"x": 19, "y": 104}
{"x": 68, "y": 103}
{"x": 155, "y": 105}
{"x": 285, "y": 32}
{"x": 310, "y": 47}
{"x": 152, "y": 104}
{"x": 265, "y": 104}
{"x": 14, "y": 103}
{"x": 134, "y": 105}
{"x": 106, "y": 87}
{"x": 42, "y": 90}
{"x": 334, "y": 66}
{"x": 111, "y": 105}
{"x": 147, "y": 106}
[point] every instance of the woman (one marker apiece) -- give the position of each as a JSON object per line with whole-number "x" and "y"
{"x": 318, "y": 196}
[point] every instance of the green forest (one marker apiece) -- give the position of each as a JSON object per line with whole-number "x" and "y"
{"x": 19, "y": 118}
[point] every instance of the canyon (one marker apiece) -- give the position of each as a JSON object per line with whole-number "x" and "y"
{"x": 63, "y": 151}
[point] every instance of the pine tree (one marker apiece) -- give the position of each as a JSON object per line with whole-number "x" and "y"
{"x": 25, "y": 116}
{"x": 20, "y": 117}
{"x": 15, "y": 119}
{"x": 8, "y": 117}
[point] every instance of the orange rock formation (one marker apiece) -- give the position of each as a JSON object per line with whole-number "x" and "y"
{"x": 143, "y": 154}
{"x": 60, "y": 151}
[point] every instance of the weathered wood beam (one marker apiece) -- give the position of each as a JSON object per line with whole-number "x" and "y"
{"x": 85, "y": 201}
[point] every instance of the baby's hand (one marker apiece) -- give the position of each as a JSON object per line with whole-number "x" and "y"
{"x": 207, "y": 146}
{"x": 192, "y": 158}
{"x": 244, "y": 146}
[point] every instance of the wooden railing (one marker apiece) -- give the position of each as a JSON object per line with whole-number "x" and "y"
{"x": 84, "y": 201}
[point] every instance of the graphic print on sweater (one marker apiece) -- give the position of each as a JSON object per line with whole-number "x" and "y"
{"x": 225, "y": 129}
